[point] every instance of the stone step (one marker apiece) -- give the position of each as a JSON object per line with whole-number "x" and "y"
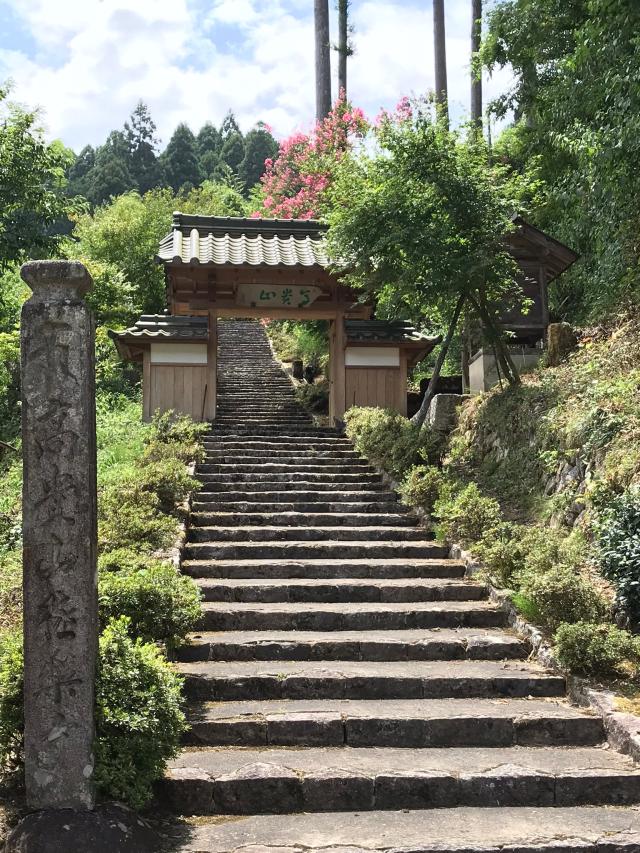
{"x": 402, "y": 723}
{"x": 330, "y": 779}
{"x": 264, "y": 446}
{"x": 458, "y": 830}
{"x": 315, "y": 511}
{"x": 301, "y": 519}
{"x": 330, "y": 568}
{"x": 293, "y": 470}
{"x": 366, "y": 680}
{"x": 219, "y": 616}
{"x": 332, "y": 535}
{"x": 265, "y": 431}
{"x": 310, "y": 550}
{"x": 305, "y": 491}
{"x": 292, "y": 455}
{"x": 339, "y": 590}
{"x": 442, "y": 644}
{"x": 292, "y": 479}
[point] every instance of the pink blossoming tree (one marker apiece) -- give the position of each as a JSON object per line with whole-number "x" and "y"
{"x": 295, "y": 184}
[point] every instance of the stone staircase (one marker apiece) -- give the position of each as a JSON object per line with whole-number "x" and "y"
{"x": 350, "y": 688}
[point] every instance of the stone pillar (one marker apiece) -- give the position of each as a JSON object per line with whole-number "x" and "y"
{"x": 59, "y": 522}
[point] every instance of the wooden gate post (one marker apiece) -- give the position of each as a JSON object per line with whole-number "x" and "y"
{"x": 59, "y": 524}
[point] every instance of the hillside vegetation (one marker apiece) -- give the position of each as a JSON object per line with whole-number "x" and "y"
{"x": 541, "y": 482}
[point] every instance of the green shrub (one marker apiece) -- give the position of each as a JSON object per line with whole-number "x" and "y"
{"x": 161, "y": 604}
{"x": 169, "y": 480}
{"x": 10, "y": 589}
{"x": 11, "y": 702}
{"x": 314, "y": 398}
{"x": 465, "y": 517}
{"x": 139, "y": 716}
{"x": 619, "y": 548}
{"x": 390, "y": 440}
{"x": 128, "y": 514}
{"x": 423, "y": 486}
{"x": 598, "y": 650}
{"x": 501, "y": 551}
{"x": 182, "y": 451}
{"x": 563, "y": 595}
{"x": 171, "y": 428}
{"x": 122, "y": 560}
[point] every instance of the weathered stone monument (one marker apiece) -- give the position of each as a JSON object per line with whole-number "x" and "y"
{"x": 60, "y": 575}
{"x": 59, "y": 518}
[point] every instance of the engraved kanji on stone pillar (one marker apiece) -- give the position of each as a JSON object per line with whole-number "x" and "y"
{"x": 59, "y": 524}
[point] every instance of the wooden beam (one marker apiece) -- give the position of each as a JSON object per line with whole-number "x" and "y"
{"x": 146, "y": 385}
{"x": 337, "y": 401}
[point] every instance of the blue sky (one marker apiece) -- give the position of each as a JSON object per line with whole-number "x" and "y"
{"x": 86, "y": 63}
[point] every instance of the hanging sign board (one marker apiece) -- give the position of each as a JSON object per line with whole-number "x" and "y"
{"x": 276, "y": 296}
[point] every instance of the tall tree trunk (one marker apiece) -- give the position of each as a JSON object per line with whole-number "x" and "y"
{"x": 420, "y": 416}
{"x": 494, "y": 332}
{"x": 323, "y": 59}
{"x": 440, "y": 55}
{"x": 476, "y": 78}
{"x": 344, "y": 50}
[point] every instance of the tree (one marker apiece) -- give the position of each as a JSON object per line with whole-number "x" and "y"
{"x": 440, "y": 57}
{"x": 476, "y": 69}
{"x": 32, "y": 180}
{"x": 140, "y": 135}
{"x": 229, "y": 125}
{"x": 323, "y": 59}
{"x": 209, "y": 143}
{"x": 260, "y": 146}
{"x": 421, "y": 225}
{"x": 78, "y": 171}
{"x": 180, "y": 159}
{"x": 296, "y": 183}
{"x": 344, "y": 46}
{"x": 576, "y": 101}
{"x": 233, "y": 150}
{"x": 111, "y": 175}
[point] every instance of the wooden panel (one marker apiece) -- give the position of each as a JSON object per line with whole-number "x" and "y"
{"x": 374, "y": 386}
{"x": 179, "y": 387}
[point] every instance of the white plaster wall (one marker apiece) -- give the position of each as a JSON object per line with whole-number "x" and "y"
{"x": 372, "y": 357}
{"x": 178, "y": 353}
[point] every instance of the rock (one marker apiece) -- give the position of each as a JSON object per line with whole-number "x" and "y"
{"x": 110, "y": 828}
{"x": 561, "y": 340}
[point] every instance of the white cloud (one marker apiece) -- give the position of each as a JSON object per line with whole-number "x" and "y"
{"x": 93, "y": 59}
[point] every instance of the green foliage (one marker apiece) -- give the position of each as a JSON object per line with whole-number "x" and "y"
{"x": 11, "y": 702}
{"x": 32, "y": 175}
{"x": 10, "y": 589}
{"x": 597, "y": 650}
{"x": 180, "y": 159}
{"x": 563, "y": 595}
{"x": 259, "y": 146}
{"x": 577, "y": 105}
{"x": 140, "y": 131}
{"x": 501, "y": 552}
{"x": 307, "y": 340}
{"x": 423, "y": 486}
{"x": 167, "y": 478}
{"x": 388, "y": 439}
{"x": 10, "y": 404}
{"x": 315, "y": 398}
{"x": 139, "y": 717}
{"x": 466, "y": 515}
{"x": 619, "y": 548}
{"x": 170, "y": 428}
{"x": 161, "y": 604}
{"x": 129, "y": 514}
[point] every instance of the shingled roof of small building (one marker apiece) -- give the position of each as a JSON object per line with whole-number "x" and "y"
{"x": 238, "y": 241}
{"x": 164, "y": 327}
{"x": 386, "y": 331}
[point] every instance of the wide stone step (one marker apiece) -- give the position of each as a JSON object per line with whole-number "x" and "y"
{"x": 265, "y": 430}
{"x": 245, "y": 455}
{"x": 333, "y": 534}
{"x": 310, "y": 549}
{"x": 264, "y": 447}
{"x": 442, "y": 644}
{"x": 301, "y": 519}
{"x": 315, "y": 511}
{"x": 340, "y": 590}
{"x": 304, "y": 490}
{"x": 296, "y": 479}
{"x": 403, "y": 723}
{"x": 326, "y": 568}
{"x": 281, "y": 780}
{"x": 366, "y": 680}
{"x": 293, "y": 469}
{"x": 219, "y": 616}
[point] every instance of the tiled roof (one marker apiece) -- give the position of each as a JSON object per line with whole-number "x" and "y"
{"x": 234, "y": 241}
{"x": 165, "y": 327}
{"x": 377, "y": 331}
